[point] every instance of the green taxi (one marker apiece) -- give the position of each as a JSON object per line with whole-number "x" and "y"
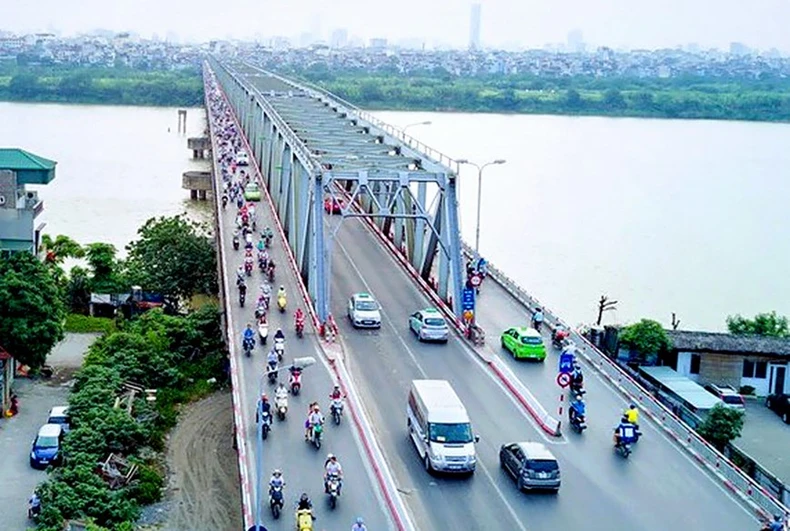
{"x": 524, "y": 342}
{"x": 252, "y": 192}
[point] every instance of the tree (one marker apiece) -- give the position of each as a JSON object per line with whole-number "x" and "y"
{"x": 78, "y": 290}
{"x": 174, "y": 257}
{"x": 31, "y": 309}
{"x": 60, "y": 248}
{"x": 104, "y": 268}
{"x": 763, "y": 324}
{"x": 573, "y": 99}
{"x": 647, "y": 338}
{"x": 722, "y": 425}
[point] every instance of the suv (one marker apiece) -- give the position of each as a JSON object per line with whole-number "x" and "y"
{"x": 46, "y": 446}
{"x": 60, "y": 415}
{"x": 780, "y": 404}
{"x": 364, "y": 311}
{"x": 728, "y": 395}
{"x": 429, "y": 325}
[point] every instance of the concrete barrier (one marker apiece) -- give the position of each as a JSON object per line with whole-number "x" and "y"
{"x": 747, "y": 489}
{"x": 547, "y": 423}
{"x": 373, "y": 453}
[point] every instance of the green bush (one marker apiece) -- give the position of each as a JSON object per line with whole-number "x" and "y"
{"x": 747, "y": 390}
{"x": 85, "y": 324}
{"x": 148, "y": 485}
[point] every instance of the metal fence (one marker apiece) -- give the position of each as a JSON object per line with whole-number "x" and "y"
{"x": 764, "y": 503}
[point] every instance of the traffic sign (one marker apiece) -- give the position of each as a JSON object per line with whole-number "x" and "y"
{"x": 469, "y": 315}
{"x": 566, "y": 363}
{"x": 476, "y": 279}
{"x": 563, "y": 379}
{"x": 468, "y": 299}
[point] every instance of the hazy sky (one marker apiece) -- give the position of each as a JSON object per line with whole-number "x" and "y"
{"x": 631, "y": 23}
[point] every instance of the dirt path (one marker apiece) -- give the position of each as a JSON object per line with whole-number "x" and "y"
{"x": 204, "y": 481}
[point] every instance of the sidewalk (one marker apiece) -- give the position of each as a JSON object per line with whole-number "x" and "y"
{"x": 766, "y": 439}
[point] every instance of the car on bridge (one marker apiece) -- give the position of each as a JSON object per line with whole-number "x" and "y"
{"x": 531, "y": 464}
{"x": 333, "y": 205}
{"x": 252, "y": 192}
{"x": 242, "y": 159}
{"x": 429, "y": 325}
{"x": 364, "y": 311}
{"x": 524, "y": 343}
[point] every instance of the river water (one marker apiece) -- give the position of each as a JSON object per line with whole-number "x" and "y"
{"x": 662, "y": 215}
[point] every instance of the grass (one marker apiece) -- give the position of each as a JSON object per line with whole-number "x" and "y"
{"x": 85, "y": 324}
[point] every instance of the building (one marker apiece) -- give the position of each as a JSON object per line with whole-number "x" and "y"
{"x": 19, "y": 207}
{"x": 739, "y": 49}
{"x": 576, "y": 41}
{"x": 339, "y": 38}
{"x": 474, "y": 28}
{"x": 729, "y": 359}
{"x": 378, "y": 44}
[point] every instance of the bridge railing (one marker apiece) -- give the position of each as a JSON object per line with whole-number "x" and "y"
{"x": 396, "y": 132}
{"x": 706, "y": 455}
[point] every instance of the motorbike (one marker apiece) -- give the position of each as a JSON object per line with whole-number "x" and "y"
{"x": 248, "y": 267}
{"x": 33, "y": 511}
{"x": 299, "y": 328}
{"x": 281, "y": 405}
{"x": 235, "y": 243}
{"x": 260, "y": 310}
{"x": 559, "y": 337}
{"x": 276, "y": 501}
{"x": 263, "y": 332}
{"x": 224, "y": 201}
{"x": 262, "y": 265}
{"x": 577, "y": 422}
{"x": 266, "y": 424}
{"x": 296, "y": 381}
{"x": 249, "y": 344}
{"x": 623, "y": 447}
{"x": 333, "y": 490}
{"x": 282, "y": 302}
{"x": 279, "y": 347}
{"x": 318, "y": 430}
{"x": 337, "y": 410}
{"x": 577, "y": 388}
{"x": 272, "y": 373}
{"x": 536, "y": 324}
{"x": 304, "y": 520}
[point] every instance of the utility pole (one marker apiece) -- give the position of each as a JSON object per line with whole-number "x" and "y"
{"x": 675, "y": 321}
{"x": 605, "y": 305}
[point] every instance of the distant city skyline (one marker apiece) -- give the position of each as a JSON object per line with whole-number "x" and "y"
{"x": 507, "y": 24}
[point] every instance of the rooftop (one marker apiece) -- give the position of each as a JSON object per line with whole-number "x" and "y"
{"x": 29, "y": 168}
{"x": 689, "y": 341}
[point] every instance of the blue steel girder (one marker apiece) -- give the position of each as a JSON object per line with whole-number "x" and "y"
{"x": 310, "y": 147}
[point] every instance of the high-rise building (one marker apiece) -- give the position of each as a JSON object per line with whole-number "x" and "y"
{"x": 474, "y": 28}
{"x": 738, "y": 48}
{"x": 339, "y": 38}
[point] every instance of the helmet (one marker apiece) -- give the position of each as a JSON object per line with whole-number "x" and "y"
{"x": 624, "y": 419}
{"x": 360, "y": 521}
{"x": 632, "y": 406}
{"x": 778, "y": 517}
{"x": 264, "y": 397}
{"x": 337, "y": 386}
{"x": 579, "y": 398}
{"x": 303, "y": 497}
{"x": 277, "y": 472}
{"x": 331, "y": 456}
{"x": 282, "y": 287}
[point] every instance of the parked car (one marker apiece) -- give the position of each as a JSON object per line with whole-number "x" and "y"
{"x": 332, "y": 205}
{"x": 524, "y": 342}
{"x": 46, "y": 446}
{"x": 531, "y": 464}
{"x": 728, "y": 395}
{"x": 242, "y": 159}
{"x": 429, "y": 325}
{"x": 252, "y": 192}
{"x": 780, "y": 404}
{"x": 364, "y": 311}
{"x": 60, "y": 415}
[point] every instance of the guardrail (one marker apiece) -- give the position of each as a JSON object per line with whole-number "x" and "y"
{"x": 374, "y": 454}
{"x": 746, "y": 488}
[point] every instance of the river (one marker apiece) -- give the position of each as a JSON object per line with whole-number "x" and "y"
{"x": 662, "y": 215}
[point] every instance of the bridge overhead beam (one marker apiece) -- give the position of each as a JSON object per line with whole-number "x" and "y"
{"x": 312, "y": 146}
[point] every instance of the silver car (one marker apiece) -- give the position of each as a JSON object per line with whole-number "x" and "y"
{"x": 364, "y": 311}
{"x": 429, "y": 325}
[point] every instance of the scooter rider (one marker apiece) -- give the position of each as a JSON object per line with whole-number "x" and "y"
{"x": 359, "y": 525}
{"x": 537, "y": 317}
{"x": 336, "y": 393}
{"x": 277, "y": 480}
{"x": 577, "y": 377}
{"x": 777, "y": 525}
{"x": 299, "y": 317}
{"x": 305, "y": 505}
{"x": 34, "y": 506}
{"x": 266, "y": 406}
{"x": 578, "y": 408}
{"x": 271, "y": 359}
{"x": 280, "y": 394}
{"x": 314, "y": 419}
{"x": 281, "y": 292}
{"x": 632, "y": 414}
{"x": 279, "y": 335}
{"x": 249, "y": 334}
{"x": 332, "y": 468}
{"x": 624, "y": 432}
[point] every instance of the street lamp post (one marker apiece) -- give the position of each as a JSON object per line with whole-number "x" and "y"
{"x": 479, "y": 195}
{"x": 427, "y": 122}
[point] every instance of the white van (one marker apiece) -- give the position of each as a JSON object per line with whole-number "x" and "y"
{"x": 439, "y": 427}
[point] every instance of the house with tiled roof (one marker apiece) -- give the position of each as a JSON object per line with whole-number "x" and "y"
{"x": 728, "y": 359}
{"x": 20, "y": 206}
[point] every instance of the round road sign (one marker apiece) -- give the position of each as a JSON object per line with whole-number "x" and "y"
{"x": 563, "y": 379}
{"x": 476, "y": 280}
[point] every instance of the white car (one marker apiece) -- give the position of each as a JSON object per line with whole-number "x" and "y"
{"x": 242, "y": 159}
{"x": 364, "y": 311}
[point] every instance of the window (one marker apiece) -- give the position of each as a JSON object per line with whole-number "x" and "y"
{"x": 450, "y": 433}
{"x": 755, "y": 369}
{"x": 695, "y": 362}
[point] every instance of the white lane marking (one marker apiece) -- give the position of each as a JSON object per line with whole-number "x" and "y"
{"x": 502, "y": 497}
{"x": 385, "y": 317}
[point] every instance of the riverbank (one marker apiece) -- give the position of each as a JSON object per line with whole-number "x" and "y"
{"x": 766, "y": 100}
